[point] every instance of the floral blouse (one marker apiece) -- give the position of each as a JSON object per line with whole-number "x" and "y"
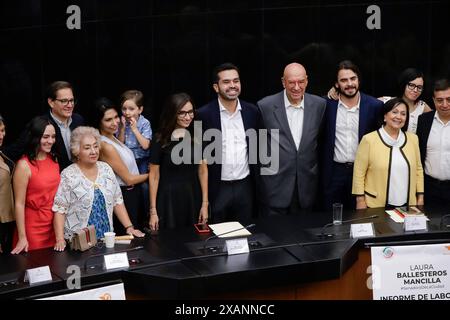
{"x": 75, "y": 196}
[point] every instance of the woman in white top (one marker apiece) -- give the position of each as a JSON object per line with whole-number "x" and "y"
{"x": 120, "y": 158}
{"x": 410, "y": 88}
{"x": 88, "y": 192}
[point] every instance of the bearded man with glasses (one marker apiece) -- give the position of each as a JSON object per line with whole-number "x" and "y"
{"x": 61, "y": 101}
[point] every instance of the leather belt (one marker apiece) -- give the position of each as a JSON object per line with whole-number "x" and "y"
{"x": 344, "y": 164}
{"x": 437, "y": 181}
{"x": 233, "y": 181}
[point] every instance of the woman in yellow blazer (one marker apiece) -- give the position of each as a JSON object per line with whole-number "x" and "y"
{"x": 6, "y": 198}
{"x": 387, "y": 170}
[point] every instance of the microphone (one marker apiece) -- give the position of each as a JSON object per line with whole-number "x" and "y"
{"x": 224, "y": 233}
{"x": 323, "y": 235}
{"x": 150, "y": 232}
{"x": 99, "y": 255}
{"x": 441, "y": 224}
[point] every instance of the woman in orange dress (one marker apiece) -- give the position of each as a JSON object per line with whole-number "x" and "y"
{"x": 35, "y": 182}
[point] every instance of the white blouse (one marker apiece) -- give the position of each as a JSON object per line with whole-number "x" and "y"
{"x": 75, "y": 196}
{"x": 399, "y": 174}
{"x": 414, "y": 116}
{"x": 126, "y": 155}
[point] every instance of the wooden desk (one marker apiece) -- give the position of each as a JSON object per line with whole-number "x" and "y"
{"x": 351, "y": 286}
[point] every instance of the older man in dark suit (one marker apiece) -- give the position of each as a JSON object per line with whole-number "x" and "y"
{"x": 61, "y": 101}
{"x": 296, "y": 117}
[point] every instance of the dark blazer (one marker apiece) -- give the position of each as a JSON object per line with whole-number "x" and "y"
{"x": 17, "y": 149}
{"x": 423, "y": 132}
{"x": 370, "y": 115}
{"x": 209, "y": 115}
{"x": 301, "y": 166}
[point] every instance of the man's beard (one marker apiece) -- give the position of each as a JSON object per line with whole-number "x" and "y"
{"x": 225, "y": 96}
{"x": 341, "y": 92}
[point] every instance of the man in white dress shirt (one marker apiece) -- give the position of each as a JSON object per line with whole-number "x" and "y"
{"x": 346, "y": 121}
{"x": 297, "y": 117}
{"x": 231, "y": 180}
{"x": 433, "y": 130}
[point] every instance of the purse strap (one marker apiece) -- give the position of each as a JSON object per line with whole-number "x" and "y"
{"x": 88, "y": 235}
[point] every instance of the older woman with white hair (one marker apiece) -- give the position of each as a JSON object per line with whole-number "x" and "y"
{"x": 88, "y": 193}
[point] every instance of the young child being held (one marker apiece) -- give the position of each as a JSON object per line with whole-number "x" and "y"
{"x": 136, "y": 133}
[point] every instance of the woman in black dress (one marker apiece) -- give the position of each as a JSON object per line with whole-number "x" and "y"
{"x": 178, "y": 174}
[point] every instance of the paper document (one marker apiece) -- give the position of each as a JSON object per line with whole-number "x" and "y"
{"x": 398, "y": 214}
{"x": 220, "y": 228}
{"x": 394, "y": 216}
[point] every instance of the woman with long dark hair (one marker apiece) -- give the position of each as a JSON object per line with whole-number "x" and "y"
{"x": 410, "y": 88}
{"x": 35, "y": 182}
{"x": 121, "y": 159}
{"x": 178, "y": 180}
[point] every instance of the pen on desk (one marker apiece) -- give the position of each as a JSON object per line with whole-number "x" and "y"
{"x": 327, "y": 235}
{"x": 399, "y": 213}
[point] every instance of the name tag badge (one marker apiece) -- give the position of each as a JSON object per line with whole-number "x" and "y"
{"x": 237, "y": 246}
{"x": 415, "y": 223}
{"x": 37, "y": 275}
{"x": 116, "y": 261}
{"x": 361, "y": 230}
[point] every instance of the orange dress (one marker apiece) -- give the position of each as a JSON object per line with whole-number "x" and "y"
{"x": 41, "y": 191}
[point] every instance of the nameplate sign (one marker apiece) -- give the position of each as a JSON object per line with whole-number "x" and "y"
{"x": 237, "y": 246}
{"x": 419, "y": 272}
{"x": 415, "y": 223}
{"x": 116, "y": 261}
{"x": 112, "y": 292}
{"x": 361, "y": 230}
{"x": 37, "y": 275}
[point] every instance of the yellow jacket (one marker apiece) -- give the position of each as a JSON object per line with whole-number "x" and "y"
{"x": 371, "y": 172}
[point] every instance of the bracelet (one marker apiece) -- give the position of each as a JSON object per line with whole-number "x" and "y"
{"x": 130, "y": 226}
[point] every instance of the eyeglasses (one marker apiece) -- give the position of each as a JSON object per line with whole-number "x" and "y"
{"x": 182, "y": 114}
{"x": 411, "y": 86}
{"x": 440, "y": 101}
{"x": 65, "y": 102}
{"x": 300, "y": 83}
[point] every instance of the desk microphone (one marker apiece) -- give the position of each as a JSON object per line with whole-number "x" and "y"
{"x": 441, "y": 224}
{"x": 150, "y": 232}
{"x": 99, "y": 255}
{"x": 222, "y": 234}
{"x": 323, "y": 235}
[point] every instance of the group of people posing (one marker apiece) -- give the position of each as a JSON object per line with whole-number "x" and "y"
{"x": 63, "y": 174}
